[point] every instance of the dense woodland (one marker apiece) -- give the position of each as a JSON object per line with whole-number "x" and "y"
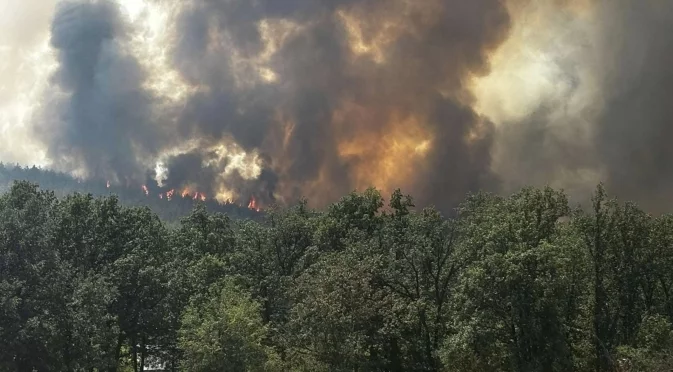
{"x": 519, "y": 283}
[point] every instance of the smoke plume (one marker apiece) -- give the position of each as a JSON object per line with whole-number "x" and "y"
{"x": 98, "y": 118}
{"x": 278, "y": 100}
{"x": 600, "y": 109}
{"x": 334, "y": 96}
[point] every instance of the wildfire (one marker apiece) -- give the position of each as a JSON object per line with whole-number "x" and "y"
{"x": 186, "y": 193}
{"x": 193, "y": 195}
{"x": 253, "y": 204}
{"x": 107, "y": 184}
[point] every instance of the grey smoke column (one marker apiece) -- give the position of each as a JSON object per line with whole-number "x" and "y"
{"x": 635, "y": 131}
{"x": 97, "y": 116}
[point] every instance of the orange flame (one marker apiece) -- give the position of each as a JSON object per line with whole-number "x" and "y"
{"x": 253, "y": 204}
{"x": 196, "y": 195}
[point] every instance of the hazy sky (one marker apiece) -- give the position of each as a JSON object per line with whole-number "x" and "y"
{"x": 24, "y": 56}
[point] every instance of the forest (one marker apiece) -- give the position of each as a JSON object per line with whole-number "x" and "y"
{"x": 525, "y": 282}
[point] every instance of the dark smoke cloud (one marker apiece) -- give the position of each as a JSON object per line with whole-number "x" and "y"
{"x": 186, "y": 168}
{"x": 335, "y": 119}
{"x": 635, "y": 129}
{"x": 437, "y": 45}
{"x": 203, "y": 171}
{"x": 622, "y": 136}
{"x": 107, "y": 123}
{"x": 543, "y": 149}
{"x": 97, "y": 117}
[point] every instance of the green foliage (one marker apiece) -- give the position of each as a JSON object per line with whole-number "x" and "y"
{"x": 224, "y": 332}
{"x": 653, "y": 350}
{"x": 511, "y": 298}
{"x": 510, "y": 283}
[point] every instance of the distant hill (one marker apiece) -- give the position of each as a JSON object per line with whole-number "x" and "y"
{"x": 168, "y": 209}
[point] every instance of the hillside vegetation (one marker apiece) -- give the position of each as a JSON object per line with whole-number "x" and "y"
{"x": 169, "y": 211}
{"x": 516, "y": 283}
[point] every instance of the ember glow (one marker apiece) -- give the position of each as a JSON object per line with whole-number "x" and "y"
{"x": 283, "y": 100}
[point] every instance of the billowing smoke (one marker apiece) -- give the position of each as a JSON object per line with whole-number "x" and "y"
{"x": 358, "y": 93}
{"x": 282, "y": 99}
{"x": 330, "y": 96}
{"x": 98, "y": 117}
{"x": 603, "y": 111}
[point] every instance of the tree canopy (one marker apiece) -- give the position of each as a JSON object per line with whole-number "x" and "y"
{"x": 516, "y": 283}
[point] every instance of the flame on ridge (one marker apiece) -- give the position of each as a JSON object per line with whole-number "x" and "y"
{"x": 186, "y": 193}
{"x": 253, "y": 204}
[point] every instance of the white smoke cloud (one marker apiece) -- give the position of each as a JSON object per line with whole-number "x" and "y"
{"x": 26, "y": 61}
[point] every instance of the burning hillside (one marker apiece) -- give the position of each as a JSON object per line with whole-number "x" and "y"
{"x": 189, "y": 194}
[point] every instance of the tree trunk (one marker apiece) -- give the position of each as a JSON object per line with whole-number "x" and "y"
{"x": 118, "y": 351}
{"x": 395, "y": 364}
{"x": 142, "y": 354}
{"x": 134, "y": 348}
